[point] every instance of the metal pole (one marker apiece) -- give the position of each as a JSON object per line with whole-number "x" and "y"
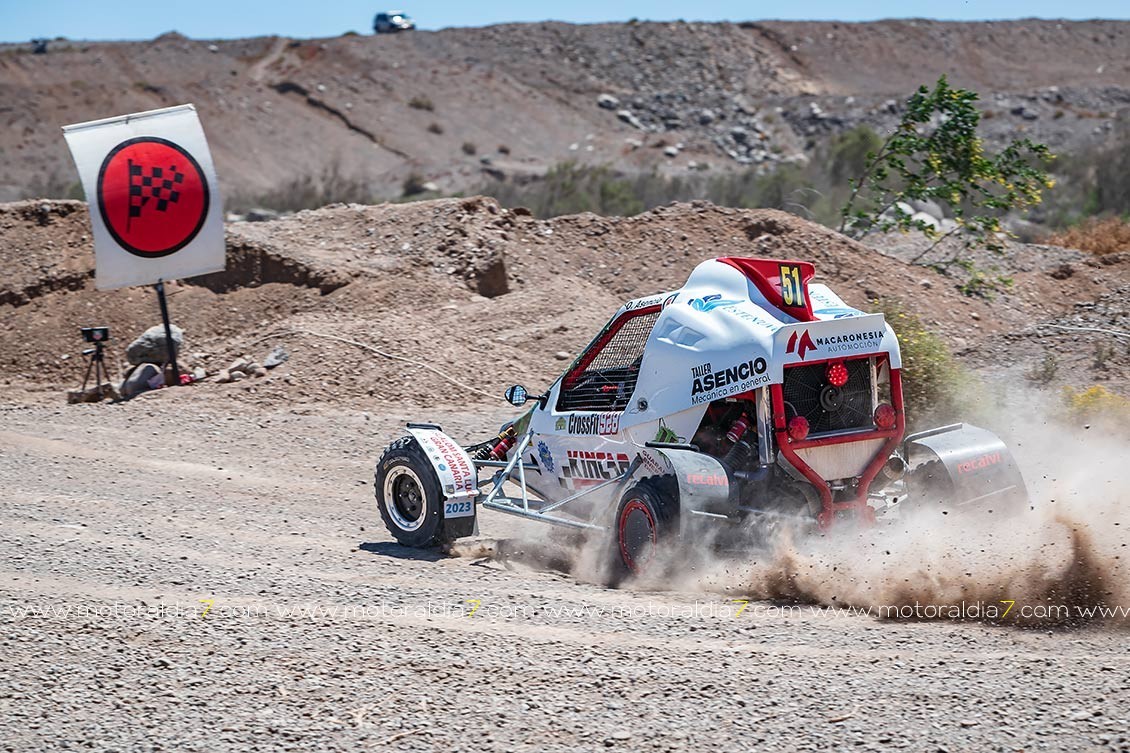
{"x": 169, "y": 344}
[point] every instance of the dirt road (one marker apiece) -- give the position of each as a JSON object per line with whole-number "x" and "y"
{"x": 123, "y": 525}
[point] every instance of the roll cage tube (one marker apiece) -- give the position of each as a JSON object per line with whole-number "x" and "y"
{"x": 788, "y": 448}
{"x": 581, "y": 368}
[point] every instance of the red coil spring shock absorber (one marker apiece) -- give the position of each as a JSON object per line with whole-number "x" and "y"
{"x": 738, "y": 428}
{"x": 506, "y": 440}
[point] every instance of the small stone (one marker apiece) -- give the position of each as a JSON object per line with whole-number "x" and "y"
{"x": 975, "y": 316}
{"x": 629, "y": 118}
{"x": 239, "y": 364}
{"x": 199, "y": 373}
{"x": 607, "y": 102}
{"x": 224, "y": 376}
{"x": 237, "y": 375}
{"x": 561, "y": 355}
{"x": 259, "y": 372}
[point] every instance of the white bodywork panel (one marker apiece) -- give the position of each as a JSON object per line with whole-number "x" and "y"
{"x": 718, "y": 336}
{"x": 458, "y": 479}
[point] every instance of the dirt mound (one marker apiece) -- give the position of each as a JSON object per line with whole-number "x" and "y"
{"x": 46, "y": 248}
{"x": 487, "y": 295}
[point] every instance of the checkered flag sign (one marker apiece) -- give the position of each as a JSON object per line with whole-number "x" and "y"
{"x": 156, "y": 184}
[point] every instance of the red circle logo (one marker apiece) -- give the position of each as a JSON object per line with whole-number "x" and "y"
{"x": 153, "y": 196}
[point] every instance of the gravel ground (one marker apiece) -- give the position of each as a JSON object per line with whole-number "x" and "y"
{"x": 118, "y": 522}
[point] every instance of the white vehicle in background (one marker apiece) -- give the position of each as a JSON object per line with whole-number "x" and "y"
{"x": 749, "y": 399}
{"x": 392, "y": 21}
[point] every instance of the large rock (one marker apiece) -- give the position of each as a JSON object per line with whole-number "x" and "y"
{"x": 151, "y": 347}
{"x": 142, "y": 379}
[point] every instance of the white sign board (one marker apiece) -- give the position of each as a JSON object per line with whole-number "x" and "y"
{"x": 153, "y": 198}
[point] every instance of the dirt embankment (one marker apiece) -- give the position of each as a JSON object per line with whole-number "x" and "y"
{"x": 442, "y": 104}
{"x": 488, "y": 295}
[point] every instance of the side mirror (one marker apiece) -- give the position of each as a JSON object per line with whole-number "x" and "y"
{"x": 517, "y": 395}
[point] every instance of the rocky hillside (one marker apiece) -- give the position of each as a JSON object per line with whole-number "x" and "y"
{"x": 460, "y": 105}
{"x": 492, "y": 296}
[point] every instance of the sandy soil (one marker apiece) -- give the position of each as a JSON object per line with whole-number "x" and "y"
{"x": 123, "y": 524}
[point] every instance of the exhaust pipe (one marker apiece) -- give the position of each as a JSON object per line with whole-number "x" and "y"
{"x": 894, "y": 469}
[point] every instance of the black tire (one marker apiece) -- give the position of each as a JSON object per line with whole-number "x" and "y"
{"x": 646, "y": 520}
{"x": 409, "y": 497}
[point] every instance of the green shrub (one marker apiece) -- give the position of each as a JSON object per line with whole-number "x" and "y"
{"x": 1098, "y": 405}
{"x": 414, "y": 184}
{"x": 935, "y": 154}
{"x": 333, "y": 186}
{"x": 932, "y": 382}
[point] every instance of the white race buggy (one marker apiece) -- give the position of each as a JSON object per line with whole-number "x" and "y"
{"x": 749, "y": 398}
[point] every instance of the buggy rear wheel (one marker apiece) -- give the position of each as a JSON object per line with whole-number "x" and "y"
{"x": 408, "y": 495}
{"x": 645, "y": 520}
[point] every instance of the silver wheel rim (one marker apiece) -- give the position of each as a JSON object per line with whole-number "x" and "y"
{"x": 398, "y": 489}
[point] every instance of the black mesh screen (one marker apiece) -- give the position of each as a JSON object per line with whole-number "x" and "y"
{"x": 607, "y": 382}
{"x": 827, "y": 408}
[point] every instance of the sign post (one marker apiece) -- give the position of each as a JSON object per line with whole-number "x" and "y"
{"x": 171, "y": 346}
{"x": 154, "y": 201}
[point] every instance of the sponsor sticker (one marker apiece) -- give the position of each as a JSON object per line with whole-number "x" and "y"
{"x": 710, "y": 302}
{"x": 643, "y": 303}
{"x": 977, "y": 464}
{"x": 709, "y": 384}
{"x": 706, "y": 479}
{"x": 755, "y": 319}
{"x": 594, "y": 467}
{"x": 545, "y": 456}
{"x": 837, "y": 313}
{"x": 592, "y": 424}
{"x": 450, "y": 457}
{"x": 849, "y": 342}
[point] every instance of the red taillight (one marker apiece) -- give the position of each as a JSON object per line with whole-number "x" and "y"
{"x": 798, "y": 428}
{"x": 885, "y": 416}
{"x": 836, "y": 374}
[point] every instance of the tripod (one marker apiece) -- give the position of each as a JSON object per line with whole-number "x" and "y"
{"x": 96, "y": 362}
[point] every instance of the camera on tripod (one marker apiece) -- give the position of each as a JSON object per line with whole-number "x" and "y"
{"x": 96, "y": 334}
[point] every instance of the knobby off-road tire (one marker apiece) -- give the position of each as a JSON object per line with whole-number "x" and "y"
{"x": 409, "y": 497}
{"x": 646, "y": 521}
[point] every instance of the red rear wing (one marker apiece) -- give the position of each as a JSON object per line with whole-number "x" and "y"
{"x": 783, "y": 283}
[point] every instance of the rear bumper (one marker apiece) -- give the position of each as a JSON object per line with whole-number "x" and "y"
{"x": 890, "y": 439}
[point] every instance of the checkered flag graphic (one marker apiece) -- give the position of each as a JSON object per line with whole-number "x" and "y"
{"x": 157, "y": 184}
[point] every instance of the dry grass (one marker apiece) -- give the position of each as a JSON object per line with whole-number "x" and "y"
{"x": 1098, "y": 236}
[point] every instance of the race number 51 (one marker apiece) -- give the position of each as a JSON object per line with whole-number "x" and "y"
{"x": 792, "y": 292}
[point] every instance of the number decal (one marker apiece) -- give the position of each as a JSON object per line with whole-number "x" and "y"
{"x": 792, "y": 292}
{"x": 458, "y": 509}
